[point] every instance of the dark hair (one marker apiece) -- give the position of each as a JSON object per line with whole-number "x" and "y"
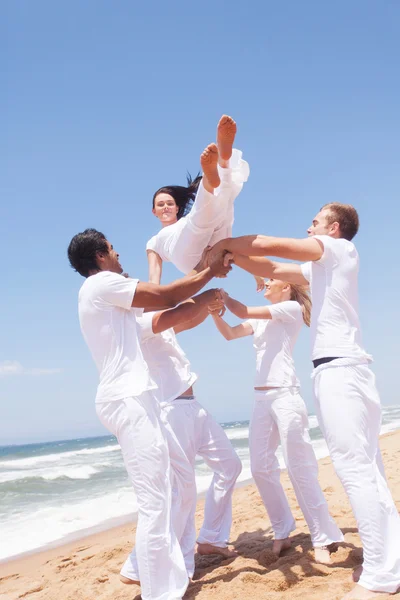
{"x": 347, "y": 217}
{"x": 183, "y": 196}
{"x": 83, "y": 250}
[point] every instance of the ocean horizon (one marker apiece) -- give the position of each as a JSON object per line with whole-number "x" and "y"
{"x": 54, "y": 492}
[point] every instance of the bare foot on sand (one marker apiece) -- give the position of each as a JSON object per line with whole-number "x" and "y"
{"x": 209, "y": 162}
{"x": 226, "y": 131}
{"x": 322, "y": 555}
{"x": 361, "y": 593}
{"x": 205, "y": 549}
{"x": 128, "y": 581}
{"x": 279, "y": 545}
{"x": 357, "y": 574}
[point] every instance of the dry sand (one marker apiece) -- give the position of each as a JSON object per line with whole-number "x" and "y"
{"x": 89, "y": 569}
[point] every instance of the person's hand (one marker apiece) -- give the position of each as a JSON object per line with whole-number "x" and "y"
{"x": 260, "y": 281}
{"x": 216, "y": 307}
{"x": 220, "y": 263}
{"x": 224, "y": 295}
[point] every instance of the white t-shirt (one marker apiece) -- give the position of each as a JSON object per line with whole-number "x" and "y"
{"x": 167, "y": 362}
{"x": 109, "y": 327}
{"x": 274, "y": 340}
{"x": 335, "y": 326}
{"x": 164, "y": 241}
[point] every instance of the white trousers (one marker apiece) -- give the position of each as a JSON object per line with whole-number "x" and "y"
{"x": 280, "y": 416}
{"x": 199, "y": 434}
{"x": 349, "y": 414}
{"x": 211, "y": 217}
{"x": 137, "y": 426}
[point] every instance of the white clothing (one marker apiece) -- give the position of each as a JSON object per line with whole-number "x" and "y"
{"x": 160, "y": 564}
{"x": 209, "y": 221}
{"x": 274, "y": 340}
{"x": 167, "y": 362}
{"x": 108, "y": 324}
{"x": 335, "y": 325}
{"x": 199, "y": 434}
{"x": 349, "y": 414}
{"x": 280, "y": 415}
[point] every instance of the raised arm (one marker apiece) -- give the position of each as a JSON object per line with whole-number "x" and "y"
{"x": 246, "y": 312}
{"x": 231, "y": 333}
{"x": 156, "y": 297}
{"x": 155, "y": 266}
{"x": 264, "y": 267}
{"x": 262, "y": 245}
{"x": 185, "y": 316}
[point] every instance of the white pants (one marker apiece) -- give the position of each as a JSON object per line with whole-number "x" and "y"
{"x": 136, "y": 424}
{"x": 349, "y": 414}
{"x": 211, "y": 218}
{"x": 280, "y": 416}
{"x": 199, "y": 434}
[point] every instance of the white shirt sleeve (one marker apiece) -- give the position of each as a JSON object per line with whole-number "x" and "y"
{"x": 306, "y": 271}
{"x": 117, "y": 290}
{"x": 145, "y": 322}
{"x": 287, "y": 311}
{"x": 332, "y": 249}
{"x": 252, "y": 323}
{"x": 152, "y": 244}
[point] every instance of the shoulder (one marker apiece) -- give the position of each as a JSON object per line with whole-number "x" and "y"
{"x": 289, "y": 310}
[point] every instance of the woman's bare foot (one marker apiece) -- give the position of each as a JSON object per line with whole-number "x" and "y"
{"x": 226, "y": 131}
{"x": 128, "y": 581}
{"x": 205, "y": 549}
{"x": 279, "y": 545}
{"x": 209, "y": 162}
{"x": 361, "y": 593}
{"x": 357, "y": 574}
{"x": 322, "y": 555}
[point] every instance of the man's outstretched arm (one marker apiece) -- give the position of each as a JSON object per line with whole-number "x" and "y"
{"x": 193, "y": 311}
{"x": 262, "y": 245}
{"x": 264, "y": 267}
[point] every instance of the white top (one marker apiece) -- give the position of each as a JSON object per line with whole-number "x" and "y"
{"x": 108, "y": 324}
{"x": 335, "y": 326}
{"x": 274, "y": 340}
{"x": 164, "y": 241}
{"x": 167, "y": 362}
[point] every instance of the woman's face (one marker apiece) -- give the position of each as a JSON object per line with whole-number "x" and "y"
{"x": 165, "y": 208}
{"x": 274, "y": 289}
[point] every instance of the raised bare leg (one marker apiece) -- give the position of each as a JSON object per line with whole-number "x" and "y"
{"x": 226, "y": 131}
{"x": 209, "y": 162}
{"x": 205, "y": 549}
{"x": 279, "y": 545}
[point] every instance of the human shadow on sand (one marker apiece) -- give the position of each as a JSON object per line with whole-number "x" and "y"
{"x": 257, "y": 546}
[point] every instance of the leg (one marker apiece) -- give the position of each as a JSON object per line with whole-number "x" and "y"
{"x": 263, "y": 443}
{"x": 349, "y": 414}
{"x": 218, "y": 453}
{"x": 161, "y": 569}
{"x": 292, "y": 421}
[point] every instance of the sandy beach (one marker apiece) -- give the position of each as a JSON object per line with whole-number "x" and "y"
{"x": 89, "y": 568}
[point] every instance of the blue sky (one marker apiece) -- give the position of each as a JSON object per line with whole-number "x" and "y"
{"x": 104, "y": 102}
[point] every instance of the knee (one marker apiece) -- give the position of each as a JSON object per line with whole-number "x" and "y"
{"x": 233, "y": 469}
{"x": 260, "y": 469}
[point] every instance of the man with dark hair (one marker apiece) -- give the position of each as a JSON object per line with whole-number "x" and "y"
{"x": 347, "y": 402}
{"x": 109, "y": 304}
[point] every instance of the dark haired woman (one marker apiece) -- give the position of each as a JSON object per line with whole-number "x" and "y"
{"x": 200, "y": 214}
{"x": 280, "y": 414}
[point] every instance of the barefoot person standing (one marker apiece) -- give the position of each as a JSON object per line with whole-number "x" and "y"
{"x": 280, "y": 415}
{"x": 347, "y": 401}
{"x": 185, "y": 235}
{"x": 195, "y": 429}
{"x": 108, "y": 306}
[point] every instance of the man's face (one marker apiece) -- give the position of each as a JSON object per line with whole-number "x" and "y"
{"x": 110, "y": 261}
{"x": 320, "y": 225}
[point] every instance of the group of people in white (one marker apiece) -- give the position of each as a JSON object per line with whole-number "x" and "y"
{"x": 146, "y": 398}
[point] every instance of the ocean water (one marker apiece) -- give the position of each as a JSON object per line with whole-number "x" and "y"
{"x": 52, "y": 492}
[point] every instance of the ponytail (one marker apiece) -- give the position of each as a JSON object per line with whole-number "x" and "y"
{"x": 300, "y": 294}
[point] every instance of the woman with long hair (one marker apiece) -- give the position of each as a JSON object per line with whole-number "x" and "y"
{"x": 280, "y": 415}
{"x": 201, "y": 213}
